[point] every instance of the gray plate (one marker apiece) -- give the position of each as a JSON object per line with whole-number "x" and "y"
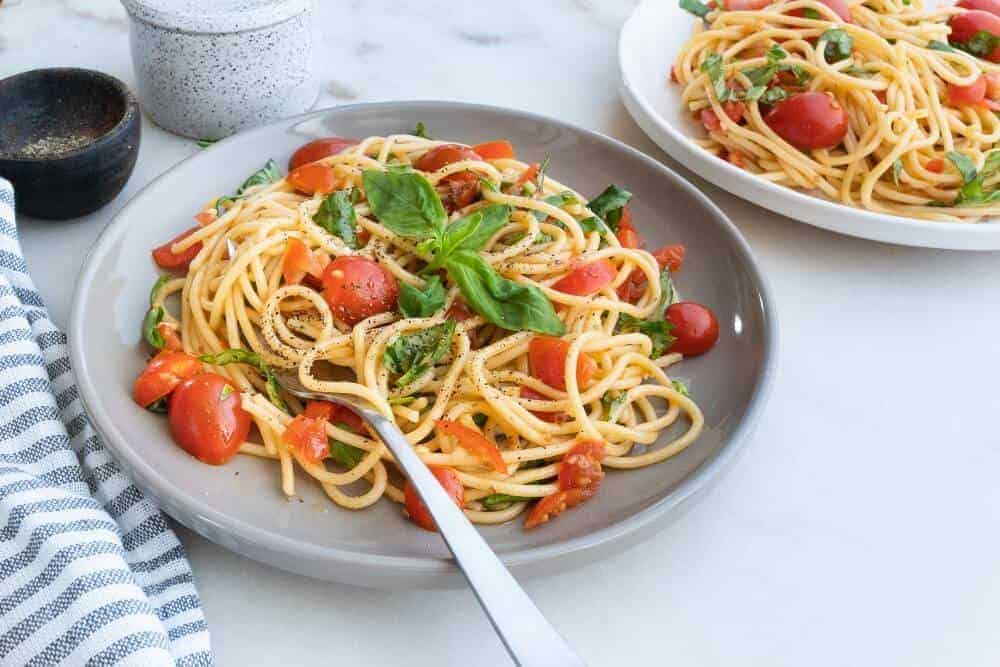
{"x": 240, "y": 505}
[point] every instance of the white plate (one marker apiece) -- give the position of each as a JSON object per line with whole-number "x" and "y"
{"x": 649, "y": 42}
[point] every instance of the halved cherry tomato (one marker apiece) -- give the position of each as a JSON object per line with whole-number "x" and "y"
{"x": 298, "y": 261}
{"x": 166, "y": 259}
{"x": 207, "y": 418}
{"x": 935, "y": 165}
{"x": 529, "y": 174}
{"x": 415, "y": 507}
{"x": 311, "y": 179}
{"x": 839, "y": 8}
{"x": 968, "y": 24}
{"x": 581, "y": 467}
{"x": 553, "y": 505}
{"x": 495, "y": 150}
{"x": 206, "y": 217}
{"x": 162, "y": 375}
{"x": 971, "y": 95}
{"x": 670, "y": 257}
{"x": 319, "y": 149}
{"x": 458, "y": 190}
{"x": 587, "y": 278}
{"x": 547, "y": 356}
{"x": 473, "y": 442}
{"x": 442, "y": 156}
{"x": 551, "y": 417}
{"x": 308, "y": 436}
{"x": 695, "y": 328}
{"x": 357, "y": 287}
{"x": 989, "y": 6}
{"x": 809, "y": 121}
{"x": 171, "y": 340}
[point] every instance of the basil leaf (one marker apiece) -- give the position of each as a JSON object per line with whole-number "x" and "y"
{"x": 239, "y": 356}
{"x": 897, "y": 170}
{"x": 421, "y": 131}
{"x": 159, "y": 406}
{"x": 657, "y": 331}
{"x": 971, "y": 193}
{"x": 411, "y": 355}
{"x": 680, "y": 388}
{"x": 713, "y": 67}
{"x": 964, "y": 164}
{"x": 479, "y": 419}
{"x": 667, "y": 292}
{"x": 205, "y": 143}
{"x": 405, "y": 203}
{"x": 266, "y": 175}
{"x": 773, "y": 96}
{"x": 611, "y": 402}
{"x": 495, "y": 499}
{"x": 839, "y": 45}
{"x": 811, "y": 13}
{"x": 473, "y": 231}
{"x": 560, "y": 200}
{"x": 402, "y": 400}
{"x": 854, "y": 70}
{"x": 344, "y": 454}
{"x": 336, "y": 215}
{"x": 935, "y": 45}
{"x": 154, "y": 293}
{"x": 416, "y": 302}
{"x": 609, "y": 204}
{"x": 981, "y": 45}
{"x": 695, "y": 7}
{"x": 510, "y": 305}
{"x": 149, "y": 327}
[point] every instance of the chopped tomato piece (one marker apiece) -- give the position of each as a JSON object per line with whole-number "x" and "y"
{"x": 547, "y": 356}
{"x": 311, "y": 179}
{"x": 587, "y": 278}
{"x": 710, "y": 120}
{"x": 206, "y": 217}
{"x": 495, "y": 150}
{"x": 553, "y": 505}
{"x": 308, "y": 436}
{"x": 935, "y": 165}
{"x": 673, "y": 74}
{"x": 529, "y": 174}
{"x": 319, "y": 149}
{"x": 415, "y": 507}
{"x": 473, "y": 442}
{"x": 627, "y": 234}
{"x": 744, "y": 5}
{"x": 299, "y": 260}
{"x": 335, "y": 414}
{"x": 970, "y": 95}
{"x": 581, "y": 467}
{"x": 458, "y": 190}
{"x": 162, "y": 375}
{"x": 670, "y": 257}
{"x": 171, "y": 340}
{"x": 551, "y": 417}
{"x": 165, "y": 258}
{"x": 207, "y": 418}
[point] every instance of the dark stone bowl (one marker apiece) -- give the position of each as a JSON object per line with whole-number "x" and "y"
{"x": 68, "y": 140}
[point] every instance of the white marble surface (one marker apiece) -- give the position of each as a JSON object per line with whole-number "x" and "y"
{"x": 861, "y": 528}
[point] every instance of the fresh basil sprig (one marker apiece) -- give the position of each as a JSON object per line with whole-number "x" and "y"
{"x": 269, "y": 173}
{"x": 154, "y": 315}
{"x": 416, "y": 302}
{"x": 972, "y": 193}
{"x": 406, "y": 203}
{"x": 240, "y": 356}
{"x": 839, "y": 45}
{"x": 713, "y": 67}
{"x": 412, "y": 355}
{"x": 608, "y": 205}
{"x": 336, "y": 215}
{"x": 680, "y": 388}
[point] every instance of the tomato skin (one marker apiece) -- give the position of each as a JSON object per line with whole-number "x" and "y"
{"x": 809, "y": 121}
{"x": 166, "y": 259}
{"x": 551, "y": 417}
{"x": 415, "y": 507}
{"x": 971, "y": 95}
{"x": 162, "y": 375}
{"x": 553, "y": 505}
{"x": 695, "y": 328}
{"x": 495, "y": 150}
{"x": 839, "y": 7}
{"x": 356, "y": 287}
{"x": 473, "y": 442}
{"x": 299, "y": 261}
{"x": 312, "y": 179}
{"x": 547, "y": 356}
{"x": 587, "y": 278}
{"x": 319, "y": 149}
{"x": 670, "y": 257}
{"x": 458, "y": 190}
{"x": 988, "y": 6}
{"x": 966, "y": 25}
{"x": 581, "y": 467}
{"x": 204, "y": 422}
{"x": 307, "y": 435}
{"x": 442, "y": 156}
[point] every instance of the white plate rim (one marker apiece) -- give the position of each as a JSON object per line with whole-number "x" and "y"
{"x": 799, "y": 206}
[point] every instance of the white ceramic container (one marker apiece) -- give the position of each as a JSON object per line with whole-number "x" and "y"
{"x": 207, "y": 70}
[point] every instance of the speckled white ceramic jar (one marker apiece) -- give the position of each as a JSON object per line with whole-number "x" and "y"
{"x": 209, "y": 69}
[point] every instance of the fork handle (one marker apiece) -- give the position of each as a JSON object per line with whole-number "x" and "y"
{"x": 528, "y": 637}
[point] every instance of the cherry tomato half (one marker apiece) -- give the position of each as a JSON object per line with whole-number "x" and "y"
{"x": 809, "y": 120}
{"x": 553, "y": 505}
{"x": 166, "y": 259}
{"x": 415, "y": 507}
{"x": 581, "y": 467}
{"x": 494, "y": 150}
{"x": 968, "y": 24}
{"x": 547, "y": 356}
{"x": 989, "y": 6}
{"x": 695, "y": 328}
{"x": 442, "y": 156}
{"x": 356, "y": 287}
{"x": 587, "y": 278}
{"x": 972, "y": 95}
{"x": 319, "y": 149}
{"x": 473, "y": 442}
{"x": 162, "y": 375}
{"x": 207, "y": 418}
{"x": 298, "y": 261}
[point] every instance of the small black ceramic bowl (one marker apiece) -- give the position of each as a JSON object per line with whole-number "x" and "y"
{"x": 68, "y": 140}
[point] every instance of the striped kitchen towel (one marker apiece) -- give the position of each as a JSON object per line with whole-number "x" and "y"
{"x": 90, "y": 572}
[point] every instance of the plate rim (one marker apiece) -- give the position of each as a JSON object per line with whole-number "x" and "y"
{"x": 794, "y": 204}
{"x": 159, "y": 486}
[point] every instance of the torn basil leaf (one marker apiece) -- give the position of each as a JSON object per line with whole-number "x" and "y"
{"x": 336, "y": 215}
{"x": 240, "y": 356}
{"x": 411, "y": 355}
{"x": 421, "y": 302}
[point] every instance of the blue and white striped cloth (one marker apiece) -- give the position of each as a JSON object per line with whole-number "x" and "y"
{"x": 90, "y": 572}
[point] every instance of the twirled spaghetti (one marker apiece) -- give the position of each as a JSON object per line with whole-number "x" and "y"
{"x": 917, "y": 114}
{"x": 485, "y": 377}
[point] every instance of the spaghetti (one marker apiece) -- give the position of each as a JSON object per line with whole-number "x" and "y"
{"x": 431, "y": 353}
{"x": 909, "y": 120}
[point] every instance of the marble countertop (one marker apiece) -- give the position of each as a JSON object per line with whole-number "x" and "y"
{"x": 861, "y": 527}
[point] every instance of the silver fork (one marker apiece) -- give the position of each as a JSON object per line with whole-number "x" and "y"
{"x": 528, "y": 637}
